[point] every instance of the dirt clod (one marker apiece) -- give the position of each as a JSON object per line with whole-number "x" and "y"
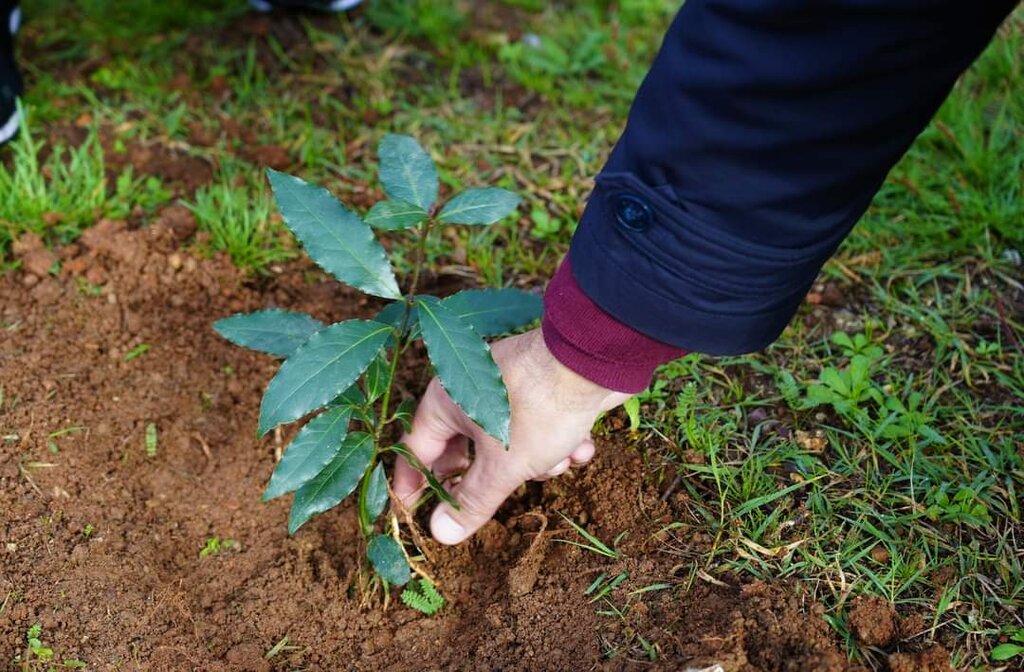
{"x": 873, "y": 621}
{"x": 35, "y": 258}
{"x": 932, "y": 659}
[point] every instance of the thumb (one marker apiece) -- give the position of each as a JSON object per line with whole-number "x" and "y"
{"x": 492, "y": 477}
{"x": 433, "y": 427}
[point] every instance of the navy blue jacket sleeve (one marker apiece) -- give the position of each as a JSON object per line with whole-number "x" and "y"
{"x": 755, "y": 142}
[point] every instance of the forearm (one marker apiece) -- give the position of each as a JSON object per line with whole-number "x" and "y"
{"x": 755, "y": 143}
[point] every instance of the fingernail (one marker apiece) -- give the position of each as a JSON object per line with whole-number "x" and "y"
{"x": 446, "y": 530}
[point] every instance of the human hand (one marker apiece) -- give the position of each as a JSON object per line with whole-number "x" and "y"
{"x": 553, "y": 409}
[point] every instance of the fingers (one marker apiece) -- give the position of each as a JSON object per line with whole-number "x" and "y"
{"x": 454, "y": 460}
{"x": 555, "y": 471}
{"x": 490, "y": 480}
{"x": 434, "y": 428}
{"x": 408, "y": 483}
{"x": 583, "y": 454}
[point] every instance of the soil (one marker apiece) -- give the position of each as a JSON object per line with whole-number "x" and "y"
{"x": 101, "y": 541}
{"x": 873, "y": 621}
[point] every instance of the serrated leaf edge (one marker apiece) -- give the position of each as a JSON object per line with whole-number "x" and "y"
{"x": 388, "y": 285}
{"x": 504, "y": 435}
{"x": 383, "y": 328}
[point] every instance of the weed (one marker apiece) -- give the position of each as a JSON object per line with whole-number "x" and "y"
{"x": 137, "y": 351}
{"x": 422, "y": 595}
{"x": 1011, "y": 649}
{"x": 58, "y": 197}
{"x": 603, "y": 585}
{"x": 240, "y": 223}
{"x": 51, "y": 438}
{"x": 86, "y": 288}
{"x": 151, "y": 440}
{"x": 632, "y": 408}
{"x": 326, "y": 462}
{"x": 36, "y": 649}
{"x": 39, "y": 656}
{"x": 592, "y": 543}
{"x": 216, "y": 546}
{"x": 545, "y": 227}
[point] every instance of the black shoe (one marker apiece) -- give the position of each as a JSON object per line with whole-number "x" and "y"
{"x": 11, "y": 86}
{"x": 315, "y": 5}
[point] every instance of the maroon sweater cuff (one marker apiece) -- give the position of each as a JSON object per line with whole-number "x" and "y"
{"x": 594, "y": 344}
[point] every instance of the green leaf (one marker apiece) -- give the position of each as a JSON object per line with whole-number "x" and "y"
{"x": 422, "y": 596}
{"x": 428, "y": 474}
{"x": 309, "y": 452}
{"x": 388, "y": 560}
{"x": 336, "y": 482}
{"x": 495, "y": 311}
{"x": 404, "y": 414}
{"x": 376, "y": 378}
{"x": 275, "y": 332}
{"x": 334, "y": 237}
{"x": 392, "y": 314}
{"x": 407, "y": 172}
{"x": 376, "y": 493}
{"x": 323, "y": 368}
{"x": 395, "y": 215}
{"x": 352, "y": 398}
{"x": 479, "y": 206}
{"x": 465, "y": 367}
{"x": 1006, "y": 651}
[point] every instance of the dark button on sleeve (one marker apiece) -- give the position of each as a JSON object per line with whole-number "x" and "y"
{"x": 632, "y": 212}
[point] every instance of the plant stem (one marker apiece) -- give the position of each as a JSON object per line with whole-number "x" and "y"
{"x": 401, "y": 339}
{"x": 396, "y": 352}
{"x": 420, "y": 260}
{"x": 364, "y": 520}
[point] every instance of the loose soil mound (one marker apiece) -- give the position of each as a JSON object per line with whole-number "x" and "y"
{"x": 102, "y": 540}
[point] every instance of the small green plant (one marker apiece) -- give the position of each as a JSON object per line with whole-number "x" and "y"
{"x": 329, "y": 459}
{"x": 545, "y": 227}
{"x": 592, "y": 543}
{"x": 858, "y": 344}
{"x": 151, "y": 440}
{"x": 58, "y": 196}
{"x": 1011, "y": 649}
{"x": 39, "y": 656}
{"x": 136, "y": 352}
{"x": 240, "y": 224}
{"x": 603, "y": 585}
{"x": 216, "y": 546}
{"x": 846, "y": 389}
{"x": 422, "y": 596}
{"x": 962, "y": 505}
{"x": 36, "y": 648}
{"x": 632, "y": 408}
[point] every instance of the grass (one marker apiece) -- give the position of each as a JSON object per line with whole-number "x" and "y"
{"x": 241, "y": 222}
{"x": 885, "y": 459}
{"x": 68, "y": 190}
{"x": 874, "y": 449}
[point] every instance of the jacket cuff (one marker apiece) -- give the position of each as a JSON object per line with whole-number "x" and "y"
{"x": 649, "y": 263}
{"x": 594, "y": 344}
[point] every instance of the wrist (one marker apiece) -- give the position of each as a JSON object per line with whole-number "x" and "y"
{"x": 594, "y": 344}
{"x": 572, "y": 388}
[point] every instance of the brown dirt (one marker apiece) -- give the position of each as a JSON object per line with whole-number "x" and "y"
{"x": 134, "y": 594}
{"x": 933, "y": 659}
{"x": 873, "y": 621}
